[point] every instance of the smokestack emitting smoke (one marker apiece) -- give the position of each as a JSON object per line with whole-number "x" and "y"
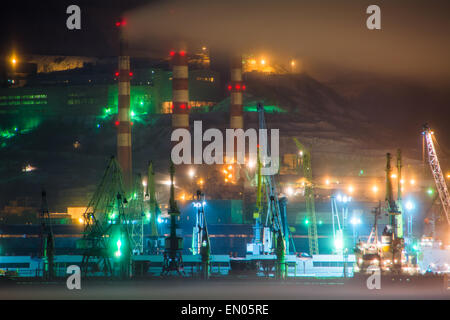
{"x": 180, "y": 92}
{"x": 236, "y": 87}
{"x": 124, "y": 124}
{"x": 327, "y": 35}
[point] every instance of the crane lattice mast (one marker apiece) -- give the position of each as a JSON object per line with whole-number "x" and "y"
{"x": 47, "y": 246}
{"x": 309, "y": 198}
{"x": 436, "y": 171}
{"x": 136, "y": 215}
{"x": 276, "y": 224}
{"x": 106, "y": 236}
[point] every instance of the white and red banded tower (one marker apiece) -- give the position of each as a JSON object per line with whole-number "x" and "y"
{"x": 236, "y": 87}
{"x": 123, "y": 123}
{"x": 180, "y": 90}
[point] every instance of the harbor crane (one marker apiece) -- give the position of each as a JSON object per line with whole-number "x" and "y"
{"x": 309, "y": 198}
{"x": 106, "y": 240}
{"x": 276, "y": 229}
{"x": 47, "y": 247}
{"x": 200, "y": 237}
{"x": 173, "y": 259}
{"x": 436, "y": 171}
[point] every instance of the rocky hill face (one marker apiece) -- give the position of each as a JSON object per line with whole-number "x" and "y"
{"x": 345, "y": 133}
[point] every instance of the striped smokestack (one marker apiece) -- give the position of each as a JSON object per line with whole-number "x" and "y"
{"x": 123, "y": 123}
{"x": 180, "y": 92}
{"x": 236, "y": 87}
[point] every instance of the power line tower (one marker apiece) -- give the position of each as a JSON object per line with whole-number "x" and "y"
{"x": 305, "y": 157}
{"x": 106, "y": 236}
{"x": 47, "y": 242}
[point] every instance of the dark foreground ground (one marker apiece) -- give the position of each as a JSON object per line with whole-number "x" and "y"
{"x": 228, "y": 289}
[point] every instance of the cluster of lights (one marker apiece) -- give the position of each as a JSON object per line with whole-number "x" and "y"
{"x": 351, "y": 189}
{"x": 343, "y": 198}
{"x": 237, "y": 86}
{"x": 182, "y": 106}
{"x": 262, "y": 61}
{"x": 181, "y": 53}
{"x": 28, "y": 168}
{"x": 289, "y": 191}
{"x": 121, "y": 23}
{"x": 228, "y": 173}
{"x": 117, "y": 73}
{"x": 199, "y": 204}
{"x": 409, "y": 205}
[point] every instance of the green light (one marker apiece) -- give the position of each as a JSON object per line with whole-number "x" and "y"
{"x": 141, "y": 103}
{"x": 98, "y": 125}
{"x": 430, "y": 191}
{"x": 132, "y": 113}
{"x": 415, "y": 247}
{"x": 320, "y": 222}
{"x": 361, "y": 172}
{"x": 306, "y": 221}
{"x": 118, "y": 253}
{"x": 338, "y": 244}
{"x": 15, "y": 129}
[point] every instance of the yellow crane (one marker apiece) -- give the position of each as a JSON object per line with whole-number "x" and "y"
{"x": 305, "y": 160}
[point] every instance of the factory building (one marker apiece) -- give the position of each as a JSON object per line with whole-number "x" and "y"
{"x": 92, "y": 91}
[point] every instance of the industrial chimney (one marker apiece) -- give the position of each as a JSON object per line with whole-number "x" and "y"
{"x": 236, "y": 88}
{"x": 180, "y": 92}
{"x": 123, "y": 123}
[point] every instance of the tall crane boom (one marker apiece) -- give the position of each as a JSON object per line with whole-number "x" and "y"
{"x": 309, "y": 198}
{"x": 436, "y": 171}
